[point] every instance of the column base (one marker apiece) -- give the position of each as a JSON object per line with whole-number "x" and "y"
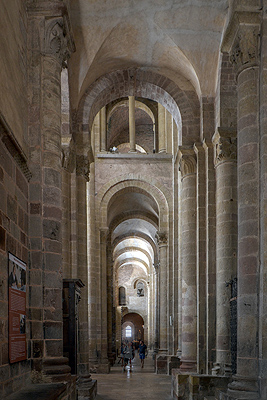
{"x": 163, "y": 351}
{"x": 243, "y": 387}
{"x": 220, "y": 369}
{"x": 189, "y": 366}
{"x": 57, "y": 369}
{"x": 161, "y": 364}
{"x": 86, "y": 387}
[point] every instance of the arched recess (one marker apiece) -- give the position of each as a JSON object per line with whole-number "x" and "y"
{"x": 122, "y": 183}
{"x": 183, "y": 105}
{"x": 137, "y": 321}
{"x": 138, "y": 104}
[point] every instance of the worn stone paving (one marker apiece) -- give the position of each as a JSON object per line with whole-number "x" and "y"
{"x": 127, "y": 385}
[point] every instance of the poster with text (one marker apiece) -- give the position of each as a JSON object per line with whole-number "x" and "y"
{"x": 16, "y": 308}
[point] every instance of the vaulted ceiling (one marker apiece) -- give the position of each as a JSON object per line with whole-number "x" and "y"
{"x": 179, "y": 39}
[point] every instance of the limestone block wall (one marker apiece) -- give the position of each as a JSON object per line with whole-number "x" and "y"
{"x": 13, "y": 66}
{"x": 14, "y": 215}
{"x": 110, "y": 166}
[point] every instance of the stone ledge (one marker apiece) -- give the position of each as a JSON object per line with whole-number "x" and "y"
{"x": 42, "y": 391}
{"x": 157, "y": 157}
{"x": 197, "y": 387}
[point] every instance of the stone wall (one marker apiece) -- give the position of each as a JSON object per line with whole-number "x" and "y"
{"x": 14, "y": 215}
{"x": 13, "y": 66}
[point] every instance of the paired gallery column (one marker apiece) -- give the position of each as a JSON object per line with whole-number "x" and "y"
{"x": 242, "y": 42}
{"x": 132, "y": 123}
{"x": 161, "y": 129}
{"x": 188, "y": 256}
{"x": 163, "y": 290}
{"x": 103, "y": 129}
{"x": 226, "y": 242}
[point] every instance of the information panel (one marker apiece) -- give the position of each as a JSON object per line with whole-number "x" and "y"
{"x": 16, "y": 309}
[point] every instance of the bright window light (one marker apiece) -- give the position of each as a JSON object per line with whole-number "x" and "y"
{"x": 128, "y": 331}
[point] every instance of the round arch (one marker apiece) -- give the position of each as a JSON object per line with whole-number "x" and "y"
{"x": 148, "y": 185}
{"x": 183, "y": 105}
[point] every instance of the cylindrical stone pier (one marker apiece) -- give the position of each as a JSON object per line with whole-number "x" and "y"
{"x": 226, "y": 244}
{"x": 163, "y": 249}
{"x": 241, "y": 41}
{"x": 188, "y": 256}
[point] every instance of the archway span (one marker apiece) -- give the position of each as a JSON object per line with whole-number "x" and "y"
{"x": 122, "y": 183}
{"x": 183, "y": 105}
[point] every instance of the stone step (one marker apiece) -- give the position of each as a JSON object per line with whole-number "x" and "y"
{"x": 45, "y": 391}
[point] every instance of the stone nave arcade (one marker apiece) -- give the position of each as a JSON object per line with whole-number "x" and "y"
{"x": 133, "y": 168}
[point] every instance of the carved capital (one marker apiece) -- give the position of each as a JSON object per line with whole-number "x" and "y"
{"x": 162, "y": 238}
{"x": 225, "y": 147}
{"x": 103, "y": 234}
{"x": 82, "y": 166}
{"x": 68, "y": 155}
{"x": 245, "y": 51}
{"x": 57, "y": 42}
{"x": 187, "y": 161}
{"x": 242, "y": 39}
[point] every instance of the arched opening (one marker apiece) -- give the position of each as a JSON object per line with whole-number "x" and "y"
{"x": 133, "y": 328}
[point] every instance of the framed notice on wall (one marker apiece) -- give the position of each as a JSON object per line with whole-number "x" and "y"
{"x": 16, "y": 309}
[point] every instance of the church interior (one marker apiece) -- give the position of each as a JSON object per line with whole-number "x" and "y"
{"x": 133, "y": 194}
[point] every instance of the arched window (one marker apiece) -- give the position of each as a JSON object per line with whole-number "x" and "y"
{"x": 128, "y": 331}
{"x": 122, "y": 296}
{"x": 140, "y": 289}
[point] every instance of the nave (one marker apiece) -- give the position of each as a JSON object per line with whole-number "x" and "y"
{"x": 140, "y": 383}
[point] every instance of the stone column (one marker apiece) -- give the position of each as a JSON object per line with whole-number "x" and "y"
{"x": 68, "y": 228}
{"x": 161, "y": 129}
{"x": 210, "y": 219}
{"x": 104, "y": 363}
{"x": 201, "y": 257}
{"x": 132, "y": 124}
{"x": 103, "y": 130}
{"x": 82, "y": 177}
{"x": 169, "y": 131}
{"x": 242, "y": 42}
{"x": 49, "y": 45}
{"x": 188, "y": 257}
{"x": 226, "y": 242}
{"x": 93, "y": 274}
{"x": 156, "y": 311}
{"x": 163, "y": 291}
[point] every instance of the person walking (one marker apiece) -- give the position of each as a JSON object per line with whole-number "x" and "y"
{"x": 142, "y": 352}
{"x": 128, "y": 356}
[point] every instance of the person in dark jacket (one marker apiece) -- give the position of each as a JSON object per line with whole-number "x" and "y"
{"x": 142, "y": 352}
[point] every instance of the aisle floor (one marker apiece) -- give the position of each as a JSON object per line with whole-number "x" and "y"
{"x": 140, "y": 383}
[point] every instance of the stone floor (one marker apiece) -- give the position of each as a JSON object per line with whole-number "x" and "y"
{"x": 135, "y": 385}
